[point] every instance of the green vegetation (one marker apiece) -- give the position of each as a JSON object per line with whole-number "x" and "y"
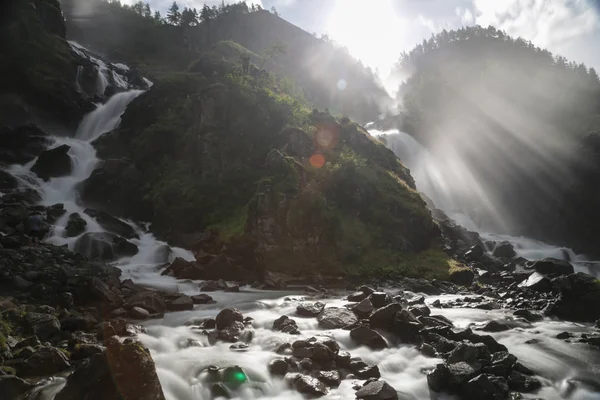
{"x": 8, "y": 370}
{"x": 5, "y": 330}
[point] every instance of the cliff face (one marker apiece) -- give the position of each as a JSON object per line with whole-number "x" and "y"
{"x": 38, "y": 69}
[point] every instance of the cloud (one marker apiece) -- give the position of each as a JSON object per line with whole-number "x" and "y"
{"x": 547, "y": 23}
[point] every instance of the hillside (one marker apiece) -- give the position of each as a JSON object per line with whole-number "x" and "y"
{"x": 510, "y": 122}
{"x": 313, "y": 65}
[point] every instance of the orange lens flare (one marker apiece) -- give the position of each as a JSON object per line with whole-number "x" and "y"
{"x": 317, "y": 160}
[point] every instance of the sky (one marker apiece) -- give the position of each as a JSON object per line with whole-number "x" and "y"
{"x": 377, "y": 31}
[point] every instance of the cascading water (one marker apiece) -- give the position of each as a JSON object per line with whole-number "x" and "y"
{"x": 433, "y": 179}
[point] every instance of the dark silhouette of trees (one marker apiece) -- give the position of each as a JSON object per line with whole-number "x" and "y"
{"x": 173, "y": 15}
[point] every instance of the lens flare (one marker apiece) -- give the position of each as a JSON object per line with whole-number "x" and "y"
{"x": 317, "y": 160}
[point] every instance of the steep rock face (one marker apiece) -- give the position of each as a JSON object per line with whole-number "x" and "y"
{"x": 282, "y": 188}
{"x": 39, "y": 81}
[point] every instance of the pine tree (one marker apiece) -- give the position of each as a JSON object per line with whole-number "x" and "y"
{"x": 157, "y": 16}
{"x": 173, "y": 15}
{"x": 147, "y": 11}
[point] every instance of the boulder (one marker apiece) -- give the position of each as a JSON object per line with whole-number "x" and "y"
{"x": 112, "y": 224}
{"x": 53, "y": 163}
{"x": 22, "y": 144}
{"x": 46, "y": 360}
{"x": 330, "y": 378}
{"x": 462, "y": 276}
{"x": 504, "y": 250}
{"x": 494, "y": 326}
{"x": 469, "y": 353}
{"x": 537, "y": 282}
{"x": 335, "y": 318}
{"x": 486, "y": 386}
{"x": 579, "y": 298}
{"x": 377, "y": 390}
{"x": 181, "y": 303}
{"x": 75, "y": 225}
{"x": 286, "y": 324}
{"x": 366, "y": 336}
{"x": 363, "y": 309}
{"x": 357, "y": 296}
{"x": 104, "y": 246}
{"x": 474, "y": 253}
{"x": 552, "y": 266}
{"x": 227, "y": 317}
{"x": 450, "y": 377}
{"x": 202, "y": 299}
{"x": 125, "y": 371}
{"x": 310, "y": 386}
{"x": 528, "y": 315}
{"x": 7, "y": 181}
{"x": 278, "y": 367}
{"x": 44, "y": 326}
{"x": 148, "y": 300}
{"x": 523, "y": 383}
{"x": 310, "y": 309}
{"x": 384, "y": 317}
{"x": 12, "y": 387}
{"x": 380, "y": 299}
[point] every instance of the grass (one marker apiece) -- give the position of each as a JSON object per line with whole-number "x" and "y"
{"x": 232, "y": 227}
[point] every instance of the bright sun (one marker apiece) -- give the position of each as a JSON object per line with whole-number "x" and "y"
{"x": 369, "y": 32}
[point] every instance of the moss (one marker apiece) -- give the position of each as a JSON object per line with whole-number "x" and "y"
{"x": 232, "y": 227}
{"x": 8, "y": 370}
{"x": 65, "y": 352}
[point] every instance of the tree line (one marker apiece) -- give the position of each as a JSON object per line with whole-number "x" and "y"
{"x": 192, "y": 16}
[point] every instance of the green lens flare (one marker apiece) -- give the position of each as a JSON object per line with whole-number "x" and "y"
{"x": 239, "y": 376}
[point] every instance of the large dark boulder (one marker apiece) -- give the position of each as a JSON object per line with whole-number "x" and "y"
{"x": 462, "y": 276}
{"x": 104, "y": 246}
{"x": 335, "y": 318}
{"x": 53, "y": 163}
{"x": 384, "y": 317}
{"x": 149, "y": 300}
{"x": 7, "y": 181}
{"x": 486, "y": 387}
{"x": 552, "y": 266}
{"x": 310, "y": 309}
{"x": 124, "y": 371}
{"x": 537, "y": 282}
{"x": 44, "y": 326}
{"x": 366, "y": 336}
{"x": 504, "y": 250}
{"x": 579, "y": 298}
{"x": 45, "y": 361}
{"x": 450, "y": 378}
{"x": 75, "y": 225}
{"x": 227, "y": 317}
{"x": 377, "y": 390}
{"x": 309, "y": 386}
{"x": 112, "y": 224}
{"x": 22, "y": 144}
{"x": 12, "y": 387}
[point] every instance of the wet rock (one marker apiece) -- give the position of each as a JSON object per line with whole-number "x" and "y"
{"x": 112, "y": 224}
{"x": 579, "y": 298}
{"x": 181, "y": 303}
{"x": 504, "y": 250}
{"x": 486, "y": 386}
{"x": 503, "y": 358}
{"x": 367, "y": 290}
{"x": 125, "y": 370}
{"x": 377, "y": 390}
{"x": 357, "y": 296}
{"x": 310, "y": 386}
{"x": 335, "y": 318}
{"x": 537, "y": 282}
{"x": 363, "y": 370}
{"x": 286, "y": 324}
{"x": 322, "y": 353}
{"x": 330, "y": 378}
{"x": 552, "y": 266}
{"x": 22, "y": 144}
{"x": 148, "y": 300}
{"x": 528, "y": 315}
{"x": 44, "y": 326}
{"x": 427, "y": 350}
{"x": 278, "y": 367}
{"x": 462, "y": 276}
{"x": 227, "y": 317}
{"x": 435, "y": 320}
{"x": 366, "y": 336}
{"x": 523, "y": 383}
{"x": 380, "y": 299}
{"x": 494, "y": 326}
{"x": 104, "y": 246}
{"x": 420, "y": 310}
{"x": 202, "y": 299}
{"x": 363, "y": 309}
{"x": 7, "y": 181}
{"x": 75, "y": 225}
{"x": 212, "y": 286}
{"x": 53, "y": 163}
{"x": 342, "y": 359}
{"x": 45, "y": 361}
{"x": 139, "y": 313}
{"x": 384, "y": 317}
{"x": 564, "y": 335}
{"x": 469, "y": 353}
{"x": 310, "y": 309}
{"x": 101, "y": 291}
{"x": 474, "y": 253}
{"x": 489, "y": 341}
{"x": 450, "y": 377}
{"x": 12, "y": 387}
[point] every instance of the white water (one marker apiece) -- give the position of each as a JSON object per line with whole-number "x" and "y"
{"x": 434, "y": 181}
{"x": 179, "y": 367}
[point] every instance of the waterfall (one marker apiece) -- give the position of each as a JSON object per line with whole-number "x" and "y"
{"x": 436, "y": 180}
